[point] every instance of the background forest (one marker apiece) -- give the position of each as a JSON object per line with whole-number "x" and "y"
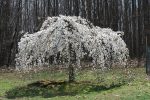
{"x": 20, "y": 16}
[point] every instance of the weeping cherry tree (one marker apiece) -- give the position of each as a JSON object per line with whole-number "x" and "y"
{"x": 68, "y": 40}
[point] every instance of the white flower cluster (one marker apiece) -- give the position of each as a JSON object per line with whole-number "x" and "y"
{"x": 51, "y": 44}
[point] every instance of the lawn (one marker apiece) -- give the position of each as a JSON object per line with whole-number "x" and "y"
{"x": 116, "y": 84}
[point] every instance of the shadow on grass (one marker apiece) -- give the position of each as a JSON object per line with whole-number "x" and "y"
{"x": 49, "y": 89}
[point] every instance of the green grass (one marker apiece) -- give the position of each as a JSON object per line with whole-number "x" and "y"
{"x": 116, "y": 84}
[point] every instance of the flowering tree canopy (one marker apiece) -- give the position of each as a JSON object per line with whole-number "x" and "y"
{"x": 59, "y": 37}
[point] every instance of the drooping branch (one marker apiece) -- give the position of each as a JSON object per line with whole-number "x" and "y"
{"x": 63, "y": 37}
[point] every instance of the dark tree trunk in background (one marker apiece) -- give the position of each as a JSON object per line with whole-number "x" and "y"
{"x": 5, "y": 32}
{"x": 19, "y": 16}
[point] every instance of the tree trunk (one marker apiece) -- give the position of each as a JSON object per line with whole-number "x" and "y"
{"x": 71, "y": 73}
{"x": 71, "y": 64}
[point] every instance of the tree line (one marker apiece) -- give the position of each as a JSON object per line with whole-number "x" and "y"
{"x": 20, "y": 16}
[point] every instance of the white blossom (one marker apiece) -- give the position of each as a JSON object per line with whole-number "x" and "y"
{"x": 101, "y": 44}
